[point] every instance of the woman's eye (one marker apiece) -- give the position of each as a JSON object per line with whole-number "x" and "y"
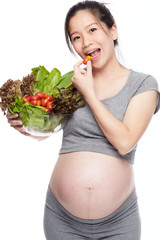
{"x": 76, "y": 38}
{"x": 92, "y": 29}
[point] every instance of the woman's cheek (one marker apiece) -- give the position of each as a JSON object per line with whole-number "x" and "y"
{"x": 77, "y": 48}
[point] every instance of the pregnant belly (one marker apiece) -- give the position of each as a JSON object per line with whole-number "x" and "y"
{"x": 91, "y": 185}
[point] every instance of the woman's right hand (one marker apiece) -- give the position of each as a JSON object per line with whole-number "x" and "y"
{"x": 15, "y": 123}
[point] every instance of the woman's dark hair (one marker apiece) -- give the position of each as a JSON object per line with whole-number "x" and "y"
{"x": 99, "y": 10}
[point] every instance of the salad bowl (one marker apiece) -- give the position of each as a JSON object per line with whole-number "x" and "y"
{"x": 40, "y": 125}
{"x": 43, "y": 100}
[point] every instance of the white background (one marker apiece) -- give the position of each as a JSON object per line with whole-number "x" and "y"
{"x": 32, "y": 34}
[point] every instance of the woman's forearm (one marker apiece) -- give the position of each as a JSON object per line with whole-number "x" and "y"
{"x": 115, "y": 131}
{"x": 124, "y": 135}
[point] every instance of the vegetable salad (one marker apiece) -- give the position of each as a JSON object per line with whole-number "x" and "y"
{"x": 43, "y": 99}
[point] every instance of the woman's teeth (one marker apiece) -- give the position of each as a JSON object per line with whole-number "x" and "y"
{"x": 94, "y": 53}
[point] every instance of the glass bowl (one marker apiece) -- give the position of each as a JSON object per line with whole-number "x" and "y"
{"x": 42, "y": 125}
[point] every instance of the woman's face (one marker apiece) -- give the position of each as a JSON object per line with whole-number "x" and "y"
{"x": 91, "y": 38}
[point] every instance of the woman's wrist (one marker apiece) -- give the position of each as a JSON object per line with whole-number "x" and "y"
{"x": 91, "y": 98}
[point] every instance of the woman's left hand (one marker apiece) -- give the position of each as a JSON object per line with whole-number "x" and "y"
{"x": 83, "y": 79}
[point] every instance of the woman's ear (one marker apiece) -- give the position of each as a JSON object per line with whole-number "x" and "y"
{"x": 114, "y": 32}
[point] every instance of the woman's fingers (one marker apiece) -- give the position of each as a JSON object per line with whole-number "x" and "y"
{"x": 11, "y": 116}
{"x": 82, "y": 78}
{"x": 12, "y": 119}
{"x": 89, "y": 68}
{"x": 77, "y": 68}
{"x": 15, "y": 123}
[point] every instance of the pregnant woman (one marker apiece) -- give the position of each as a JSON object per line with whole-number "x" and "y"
{"x": 91, "y": 194}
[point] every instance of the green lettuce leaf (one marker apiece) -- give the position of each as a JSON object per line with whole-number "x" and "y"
{"x": 51, "y": 81}
{"x": 66, "y": 81}
{"x": 41, "y": 74}
{"x": 46, "y": 82}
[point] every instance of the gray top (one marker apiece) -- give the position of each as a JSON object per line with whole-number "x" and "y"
{"x": 82, "y": 133}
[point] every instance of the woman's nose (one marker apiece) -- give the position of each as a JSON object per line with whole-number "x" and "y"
{"x": 87, "y": 42}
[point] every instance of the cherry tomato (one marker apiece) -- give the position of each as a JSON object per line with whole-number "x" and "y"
{"x": 49, "y": 106}
{"x": 45, "y": 110}
{"x": 50, "y": 98}
{"x": 33, "y": 102}
{"x": 86, "y": 59}
{"x": 41, "y": 95}
{"x": 28, "y": 98}
{"x": 44, "y": 102}
{"x": 34, "y": 98}
{"x": 39, "y": 103}
{"x": 25, "y": 99}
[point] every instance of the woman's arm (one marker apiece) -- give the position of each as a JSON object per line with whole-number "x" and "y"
{"x": 125, "y": 135}
{"x": 122, "y": 135}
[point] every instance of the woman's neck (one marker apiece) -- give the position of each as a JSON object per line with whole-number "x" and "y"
{"x": 110, "y": 70}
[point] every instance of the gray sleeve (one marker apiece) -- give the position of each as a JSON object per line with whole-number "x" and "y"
{"x": 149, "y": 83}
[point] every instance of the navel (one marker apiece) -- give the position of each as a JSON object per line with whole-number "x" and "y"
{"x": 89, "y": 200}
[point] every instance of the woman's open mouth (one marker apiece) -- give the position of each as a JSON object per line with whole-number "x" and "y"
{"x": 95, "y": 53}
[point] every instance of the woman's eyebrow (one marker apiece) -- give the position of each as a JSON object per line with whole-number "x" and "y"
{"x": 85, "y": 27}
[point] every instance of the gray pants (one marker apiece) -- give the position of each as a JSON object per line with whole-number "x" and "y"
{"x": 123, "y": 224}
